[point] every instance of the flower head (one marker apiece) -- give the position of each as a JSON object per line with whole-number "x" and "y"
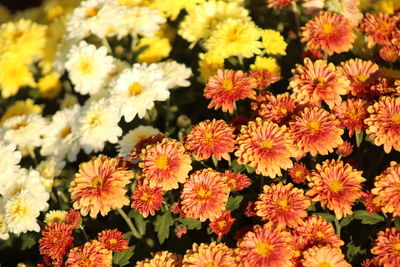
{"x": 236, "y": 181}
{"x": 73, "y": 218}
{"x": 113, "y": 240}
{"x": 161, "y": 259}
{"x": 264, "y": 77}
{"x": 299, "y": 173}
{"x": 387, "y": 247}
{"x": 222, "y": 225}
{"x": 214, "y": 254}
{"x": 56, "y": 240}
{"x": 378, "y": 28}
{"x": 55, "y": 216}
{"x": 91, "y": 254}
{"x": 324, "y": 256}
{"x": 273, "y": 42}
{"x": 344, "y": 149}
{"x": 146, "y": 199}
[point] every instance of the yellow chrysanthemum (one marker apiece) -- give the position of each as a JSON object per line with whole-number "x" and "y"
{"x": 156, "y": 49}
{"x": 50, "y": 85}
{"x": 386, "y": 6}
{"x": 266, "y": 63}
{"x": 209, "y": 64}
{"x": 172, "y": 8}
{"x": 273, "y": 42}
{"x": 21, "y": 107}
{"x": 55, "y": 216}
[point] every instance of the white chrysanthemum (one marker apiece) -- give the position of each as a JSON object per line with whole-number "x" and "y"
{"x": 61, "y": 56}
{"x": 3, "y": 225}
{"x": 21, "y": 212}
{"x": 99, "y": 124}
{"x": 88, "y": 67}
{"x": 61, "y": 138}
{"x": 145, "y": 21}
{"x": 48, "y": 170}
{"x": 128, "y": 142}
{"x": 24, "y": 130}
{"x": 10, "y": 158}
{"x": 137, "y": 88}
{"x": 177, "y": 74}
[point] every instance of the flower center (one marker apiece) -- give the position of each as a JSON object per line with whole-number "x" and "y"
{"x": 397, "y": 247}
{"x": 203, "y": 193}
{"x": 284, "y": 111}
{"x": 221, "y": 224}
{"x": 319, "y": 234}
{"x": 263, "y": 249}
{"x": 335, "y": 186}
{"x": 314, "y": 127}
{"x": 162, "y": 162}
{"x": 15, "y": 36}
{"x": 283, "y": 204}
{"x": 396, "y": 118}
{"x": 86, "y": 67}
{"x": 327, "y": 28}
{"x": 112, "y": 241}
{"x": 64, "y": 132}
{"x": 19, "y": 210}
{"x": 360, "y": 78}
{"x": 135, "y": 88}
{"x": 94, "y": 120}
{"x": 145, "y": 197}
{"x": 298, "y": 174}
{"x": 97, "y": 181}
{"x": 19, "y": 125}
{"x": 227, "y": 85}
{"x": 267, "y": 144}
{"x": 319, "y": 80}
{"x": 91, "y": 12}
{"x": 210, "y": 264}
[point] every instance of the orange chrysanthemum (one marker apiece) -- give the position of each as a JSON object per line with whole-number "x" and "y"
{"x": 328, "y": 31}
{"x": 266, "y": 246}
{"x": 265, "y": 146}
{"x": 56, "y": 240}
{"x": 143, "y": 143}
{"x": 211, "y": 138}
{"x": 113, "y": 240}
{"x": 236, "y": 182}
{"x": 387, "y": 189}
{"x": 387, "y": 247}
{"x": 389, "y": 53}
{"x": 358, "y": 72}
{"x": 282, "y": 204}
{"x": 250, "y": 209}
{"x": 204, "y": 195}
{"x": 228, "y": 86}
{"x": 384, "y": 123}
{"x": 213, "y": 254}
{"x": 378, "y": 28}
{"x": 352, "y": 113}
{"x": 370, "y": 263}
{"x": 299, "y": 173}
{"x": 324, "y": 256}
{"x": 370, "y": 203}
{"x": 315, "y": 130}
{"x": 344, "y": 149}
{"x": 264, "y": 78}
{"x": 278, "y": 3}
{"x": 318, "y": 81}
{"x": 99, "y": 186}
{"x": 92, "y": 254}
{"x": 336, "y": 185}
{"x": 161, "y": 259}
{"x": 145, "y": 199}
{"x": 222, "y": 225}
{"x": 73, "y": 219}
{"x": 165, "y": 164}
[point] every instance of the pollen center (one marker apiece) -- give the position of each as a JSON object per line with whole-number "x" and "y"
{"x": 313, "y": 127}
{"x": 227, "y": 85}
{"x": 210, "y": 264}
{"x": 319, "y": 234}
{"x": 360, "y": 78}
{"x": 221, "y": 224}
{"x": 145, "y": 197}
{"x": 112, "y": 241}
{"x": 283, "y": 204}
{"x": 267, "y": 144}
{"x": 284, "y": 111}
{"x": 135, "y": 88}
{"x": 19, "y": 210}
{"x": 64, "y": 132}
{"x": 91, "y": 12}
{"x": 97, "y": 181}
{"x": 19, "y": 125}
{"x": 335, "y": 186}
{"x": 203, "y": 193}
{"x": 162, "y": 162}
{"x": 94, "y": 120}
{"x": 327, "y": 28}
{"x": 396, "y": 118}
{"x": 263, "y": 249}
{"x": 86, "y": 67}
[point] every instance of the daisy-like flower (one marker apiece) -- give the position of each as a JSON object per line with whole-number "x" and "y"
{"x": 228, "y": 86}
{"x": 73, "y": 218}
{"x": 146, "y": 200}
{"x": 370, "y": 202}
{"x": 328, "y": 31}
{"x": 264, "y": 78}
{"x": 213, "y": 254}
{"x": 387, "y": 191}
{"x": 324, "y": 256}
{"x": 282, "y": 204}
{"x": 98, "y": 124}
{"x": 336, "y": 185}
{"x": 56, "y": 240}
{"x": 88, "y": 67}
{"x": 278, "y": 3}
{"x": 387, "y": 247}
{"x": 176, "y": 73}
{"x": 137, "y": 88}
{"x": 99, "y": 186}
{"x": 273, "y": 42}
{"x": 316, "y": 131}
{"x": 378, "y": 28}
{"x": 236, "y": 181}
{"x": 299, "y": 173}
{"x": 113, "y": 240}
{"x": 91, "y": 254}
{"x": 384, "y": 123}
{"x": 211, "y": 138}
{"x": 165, "y": 164}
{"x": 235, "y": 37}
{"x": 344, "y": 149}
{"x": 61, "y": 136}
{"x": 133, "y": 137}
{"x": 55, "y": 216}
{"x": 389, "y": 53}
{"x": 204, "y": 195}
{"x": 318, "y": 81}
{"x": 266, "y": 246}
{"x": 161, "y": 259}
{"x": 222, "y": 225}
{"x": 265, "y": 146}
{"x": 144, "y": 21}
{"x": 358, "y": 72}
{"x": 352, "y": 113}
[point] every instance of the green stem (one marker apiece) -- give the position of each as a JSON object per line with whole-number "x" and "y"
{"x": 337, "y": 226}
{"x": 128, "y": 221}
{"x": 84, "y": 233}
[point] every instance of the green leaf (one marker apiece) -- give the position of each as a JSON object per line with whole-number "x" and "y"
{"x": 140, "y": 223}
{"x": 367, "y": 218}
{"x": 234, "y": 202}
{"x": 190, "y": 223}
{"x": 236, "y": 167}
{"x": 27, "y": 241}
{"x": 162, "y": 224}
{"x": 354, "y": 250}
{"x": 328, "y": 217}
{"x": 122, "y": 258}
{"x": 249, "y": 169}
{"x": 346, "y": 221}
{"x": 397, "y": 223}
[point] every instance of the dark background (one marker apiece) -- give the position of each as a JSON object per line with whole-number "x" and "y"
{"x": 15, "y": 5}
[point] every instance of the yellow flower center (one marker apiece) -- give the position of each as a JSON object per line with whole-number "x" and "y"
{"x": 87, "y": 262}
{"x": 335, "y": 186}
{"x": 314, "y": 127}
{"x": 319, "y": 80}
{"x": 86, "y": 67}
{"x": 65, "y": 131}
{"x": 227, "y": 85}
{"x": 298, "y": 174}
{"x": 210, "y": 264}
{"x": 94, "y": 120}
{"x": 324, "y": 264}
{"x": 263, "y": 249}
{"x": 135, "y": 88}
{"x": 203, "y": 193}
{"x": 232, "y": 182}
{"x": 283, "y": 204}
{"x": 55, "y": 239}
{"x": 284, "y": 111}
{"x": 360, "y": 78}
{"x": 221, "y": 224}
{"x": 297, "y": 253}
{"x": 267, "y": 144}
{"x": 162, "y": 162}
{"x": 327, "y": 28}
{"x": 112, "y": 241}
{"x": 319, "y": 234}
{"x": 14, "y": 36}
{"x": 97, "y": 181}
{"x": 91, "y": 12}
{"x": 396, "y": 118}
{"x": 19, "y": 210}
{"x": 145, "y": 197}
{"x": 19, "y": 125}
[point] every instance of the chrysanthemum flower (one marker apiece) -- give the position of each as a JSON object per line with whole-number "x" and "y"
{"x": 387, "y": 189}
{"x": 352, "y": 113}
{"x": 165, "y": 164}
{"x": 387, "y": 247}
{"x": 278, "y": 3}
{"x": 316, "y": 131}
{"x": 92, "y": 254}
{"x": 282, "y": 204}
{"x": 204, "y": 195}
{"x": 211, "y": 138}
{"x": 358, "y": 72}
{"x": 266, "y": 63}
{"x": 113, "y": 240}
{"x": 273, "y": 42}
{"x": 213, "y": 254}
{"x": 73, "y": 218}
{"x": 264, "y": 78}
{"x": 228, "y": 86}
{"x": 344, "y": 149}
{"x": 56, "y": 240}
{"x": 143, "y": 143}
{"x": 265, "y": 146}
{"x": 236, "y": 181}
{"x": 378, "y": 28}
{"x": 222, "y": 225}
{"x": 209, "y": 63}
{"x": 324, "y": 256}
{"x": 318, "y": 81}
{"x": 299, "y": 173}
{"x": 329, "y": 31}
{"x": 266, "y": 246}
{"x": 161, "y": 259}
{"x": 384, "y": 123}
{"x": 370, "y": 263}
{"x": 389, "y": 53}
{"x": 336, "y": 185}
{"x": 55, "y": 216}
{"x": 99, "y": 186}
{"x": 146, "y": 199}
{"x": 370, "y": 202}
